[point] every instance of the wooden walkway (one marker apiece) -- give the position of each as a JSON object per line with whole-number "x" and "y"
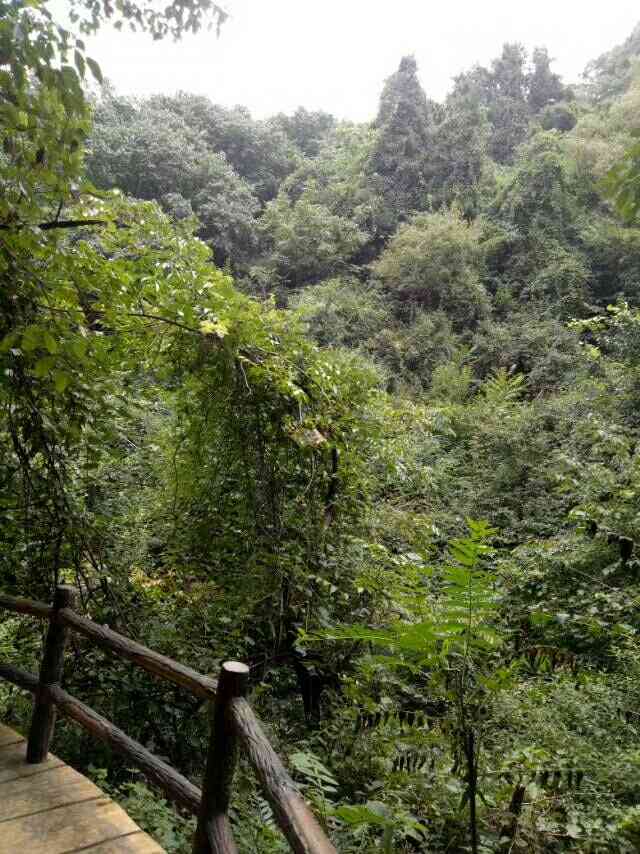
{"x": 51, "y": 809}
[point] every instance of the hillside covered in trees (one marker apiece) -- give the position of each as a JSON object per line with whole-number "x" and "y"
{"x": 354, "y": 403}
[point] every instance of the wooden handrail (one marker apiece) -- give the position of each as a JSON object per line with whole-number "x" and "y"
{"x": 233, "y": 723}
{"x": 177, "y": 788}
{"x": 25, "y": 606}
{"x": 153, "y": 662}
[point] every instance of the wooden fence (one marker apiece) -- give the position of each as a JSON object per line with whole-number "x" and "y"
{"x": 233, "y": 727}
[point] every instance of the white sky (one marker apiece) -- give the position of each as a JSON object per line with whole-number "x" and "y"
{"x": 275, "y": 55}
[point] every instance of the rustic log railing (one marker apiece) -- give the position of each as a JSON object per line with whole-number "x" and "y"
{"x": 233, "y": 727}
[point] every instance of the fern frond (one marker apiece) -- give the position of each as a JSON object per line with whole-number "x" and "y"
{"x": 503, "y": 387}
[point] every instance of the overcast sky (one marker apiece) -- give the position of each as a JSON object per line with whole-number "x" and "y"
{"x": 274, "y": 55}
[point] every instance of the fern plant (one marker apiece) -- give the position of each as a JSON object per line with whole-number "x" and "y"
{"x": 455, "y": 645}
{"x": 320, "y": 786}
{"x": 503, "y": 387}
{"x": 461, "y": 616}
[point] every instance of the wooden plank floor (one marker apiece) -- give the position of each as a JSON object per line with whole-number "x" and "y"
{"x": 51, "y": 809}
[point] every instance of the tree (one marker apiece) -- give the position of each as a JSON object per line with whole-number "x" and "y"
{"x": 342, "y": 312}
{"x": 307, "y": 130}
{"x": 397, "y": 164}
{"x": 435, "y": 261}
{"x": 540, "y": 196}
{"x": 544, "y": 86}
{"x": 559, "y": 116}
{"x": 148, "y": 152}
{"x": 600, "y": 139}
{"x": 512, "y": 93}
{"x": 458, "y": 160}
{"x": 623, "y": 184}
{"x": 563, "y": 282}
{"x": 613, "y": 252}
{"x": 508, "y": 72}
{"x": 42, "y": 158}
{"x": 541, "y": 208}
{"x": 538, "y": 347}
{"x": 306, "y": 241}
{"x": 508, "y": 108}
{"x": 337, "y": 179}
{"x": 610, "y": 75}
{"x": 455, "y": 643}
{"x": 174, "y": 19}
{"x": 145, "y": 152}
{"x": 226, "y": 209}
{"x": 86, "y": 278}
{"x": 412, "y": 352}
{"x": 259, "y": 151}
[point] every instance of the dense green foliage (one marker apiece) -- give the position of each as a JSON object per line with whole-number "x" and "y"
{"x": 259, "y": 382}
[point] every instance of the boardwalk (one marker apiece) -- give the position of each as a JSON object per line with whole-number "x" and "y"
{"x": 51, "y": 809}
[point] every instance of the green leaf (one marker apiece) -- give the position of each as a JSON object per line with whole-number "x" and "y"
{"x": 78, "y": 58}
{"x": 61, "y": 380}
{"x": 8, "y": 341}
{"x": 355, "y": 815}
{"x": 49, "y": 342}
{"x": 31, "y": 338}
{"x": 43, "y": 367}
{"x": 218, "y": 328}
{"x": 78, "y": 347}
{"x": 94, "y": 68}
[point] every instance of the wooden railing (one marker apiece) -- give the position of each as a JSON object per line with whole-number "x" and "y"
{"x": 233, "y": 727}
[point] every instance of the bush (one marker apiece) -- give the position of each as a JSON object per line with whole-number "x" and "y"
{"x": 436, "y": 262}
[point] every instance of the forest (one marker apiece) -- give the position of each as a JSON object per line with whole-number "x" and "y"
{"x": 356, "y": 404}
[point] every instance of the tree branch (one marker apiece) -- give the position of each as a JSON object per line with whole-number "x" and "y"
{"x": 71, "y": 223}
{"x": 62, "y": 223}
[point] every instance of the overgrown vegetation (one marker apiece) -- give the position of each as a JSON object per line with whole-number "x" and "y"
{"x": 259, "y": 378}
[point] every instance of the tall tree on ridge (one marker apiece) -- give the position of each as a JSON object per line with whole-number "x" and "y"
{"x": 403, "y": 123}
{"x": 545, "y": 86}
{"x": 508, "y": 110}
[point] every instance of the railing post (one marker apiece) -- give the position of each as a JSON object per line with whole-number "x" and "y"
{"x": 213, "y": 833}
{"x": 44, "y": 712}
